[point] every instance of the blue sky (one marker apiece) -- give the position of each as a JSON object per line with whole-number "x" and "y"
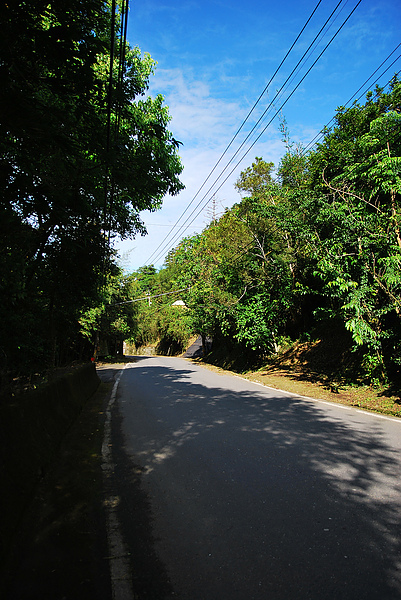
{"x": 215, "y": 57}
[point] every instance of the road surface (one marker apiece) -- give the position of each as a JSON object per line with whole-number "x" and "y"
{"x": 223, "y": 489}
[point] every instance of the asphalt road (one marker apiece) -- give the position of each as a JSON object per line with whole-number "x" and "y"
{"x": 227, "y": 490}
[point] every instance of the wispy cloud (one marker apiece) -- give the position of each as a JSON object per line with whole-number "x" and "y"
{"x": 205, "y": 125}
{"x": 214, "y": 60}
{"x": 197, "y": 117}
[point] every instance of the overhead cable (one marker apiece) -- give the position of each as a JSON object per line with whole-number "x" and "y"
{"x": 264, "y": 129}
{"x": 110, "y": 184}
{"x": 149, "y": 297}
{"x": 241, "y": 126}
{"x": 327, "y": 126}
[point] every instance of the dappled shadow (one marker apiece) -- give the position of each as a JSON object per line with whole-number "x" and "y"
{"x": 303, "y": 503}
{"x": 296, "y": 373}
{"x": 149, "y": 578}
{"x": 393, "y": 391}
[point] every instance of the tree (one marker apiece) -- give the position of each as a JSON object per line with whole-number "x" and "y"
{"x": 356, "y": 172}
{"x": 158, "y": 320}
{"x": 257, "y": 179}
{"x": 318, "y": 247}
{"x": 82, "y": 153}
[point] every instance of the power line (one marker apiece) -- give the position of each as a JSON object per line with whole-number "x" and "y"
{"x": 118, "y": 90}
{"x": 244, "y": 250}
{"x": 266, "y": 111}
{"x": 240, "y": 128}
{"x": 269, "y": 124}
{"x": 108, "y": 110}
{"x": 151, "y": 296}
{"x": 322, "y": 132}
{"x": 361, "y": 87}
{"x": 174, "y": 239}
{"x": 108, "y": 190}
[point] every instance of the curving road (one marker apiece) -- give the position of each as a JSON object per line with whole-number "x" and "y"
{"x": 227, "y": 490}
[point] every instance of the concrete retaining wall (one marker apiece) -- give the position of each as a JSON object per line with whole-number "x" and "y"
{"x": 31, "y": 430}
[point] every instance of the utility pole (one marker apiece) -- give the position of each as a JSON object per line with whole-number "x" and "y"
{"x": 211, "y": 212}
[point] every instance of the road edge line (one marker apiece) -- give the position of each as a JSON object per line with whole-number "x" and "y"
{"x": 118, "y": 554}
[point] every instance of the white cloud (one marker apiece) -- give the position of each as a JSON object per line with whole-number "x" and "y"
{"x": 197, "y": 117}
{"x": 205, "y": 125}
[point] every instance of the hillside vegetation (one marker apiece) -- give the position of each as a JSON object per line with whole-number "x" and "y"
{"x": 312, "y": 247}
{"x": 83, "y": 149}
{"x": 311, "y": 251}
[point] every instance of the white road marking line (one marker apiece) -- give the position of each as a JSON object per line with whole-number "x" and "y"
{"x": 309, "y": 399}
{"x": 119, "y": 557}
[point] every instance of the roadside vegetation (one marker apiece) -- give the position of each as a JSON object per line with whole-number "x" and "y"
{"x": 301, "y": 277}
{"x": 83, "y": 149}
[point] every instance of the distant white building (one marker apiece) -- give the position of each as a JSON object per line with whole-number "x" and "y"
{"x": 179, "y": 303}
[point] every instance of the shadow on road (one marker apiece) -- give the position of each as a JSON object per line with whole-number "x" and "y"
{"x": 310, "y": 484}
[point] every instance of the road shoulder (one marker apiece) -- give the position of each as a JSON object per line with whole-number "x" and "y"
{"x": 60, "y": 550}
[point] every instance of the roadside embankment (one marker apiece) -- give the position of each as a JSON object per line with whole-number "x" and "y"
{"x": 321, "y": 368}
{"x": 32, "y": 427}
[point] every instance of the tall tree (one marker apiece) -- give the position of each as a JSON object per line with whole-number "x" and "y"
{"x": 83, "y": 151}
{"x": 356, "y": 173}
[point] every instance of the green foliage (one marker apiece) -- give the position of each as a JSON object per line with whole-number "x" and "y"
{"x": 113, "y": 316}
{"x": 321, "y": 243}
{"x": 256, "y": 180}
{"x": 157, "y": 320}
{"x": 256, "y": 324}
{"x": 80, "y": 159}
{"x": 173, "y": 328}
{"x": 239, "y": 271}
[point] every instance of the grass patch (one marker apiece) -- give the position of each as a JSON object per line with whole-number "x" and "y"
{"x": 376, "y": 399}
{"x": 324, "y": 368}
